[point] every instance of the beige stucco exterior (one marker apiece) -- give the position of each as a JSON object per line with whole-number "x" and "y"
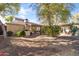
{"x": 19, "y": 27}
{"x": 15, "y": 27}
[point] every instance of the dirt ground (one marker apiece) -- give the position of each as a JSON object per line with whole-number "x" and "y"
{"x": 39, "y": 46}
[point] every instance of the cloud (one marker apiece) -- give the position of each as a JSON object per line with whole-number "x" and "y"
{"x": 29, "y": 13}
{"x": 23, "y": 13}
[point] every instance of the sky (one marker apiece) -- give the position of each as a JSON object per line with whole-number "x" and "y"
{"x": 29, "y": 13}
{"x": 76, "y": 9}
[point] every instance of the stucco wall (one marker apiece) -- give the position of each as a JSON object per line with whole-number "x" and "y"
{"x": 15, "y": 27}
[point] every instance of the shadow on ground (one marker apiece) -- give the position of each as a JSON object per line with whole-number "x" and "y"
{"x": 60, "y": 50}
{"x": 41, "y": 51}
{"x": 67, "y": 37}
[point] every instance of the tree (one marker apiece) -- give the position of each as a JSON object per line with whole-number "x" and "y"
{"x": 53, "y": 13}
{"x": 75, "y": 18}
{"x": 8, "y": 9}
{"x": 9, "y": 18}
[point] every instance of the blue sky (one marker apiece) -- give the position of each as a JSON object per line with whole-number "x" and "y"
{"x": 30, "y": 13}
{"x": 27, "y": 12}
{"x": 76, "y": 9}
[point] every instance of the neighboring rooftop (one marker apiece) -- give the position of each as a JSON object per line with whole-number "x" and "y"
{"x": 20, "y": 21}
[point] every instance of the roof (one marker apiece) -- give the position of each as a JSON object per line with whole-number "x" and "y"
{"x": 19, "y": 19}
{"x": 66, "y": 24}
{"x": 33, "y": 23}
{"x": 14, "y": 24}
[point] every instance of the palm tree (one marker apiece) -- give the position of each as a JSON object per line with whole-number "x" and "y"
{"x": 8, "y": 9}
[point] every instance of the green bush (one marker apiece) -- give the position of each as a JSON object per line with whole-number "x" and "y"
{"x": 73, "y": 30}
{"x": 51, "y": 31}
{"x": 56, "y": 30}
{"x": 9, "y": 33}
{"x": 20, "y": 33}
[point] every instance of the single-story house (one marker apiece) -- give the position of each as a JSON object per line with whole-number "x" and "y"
{"x": 22, "y": 24}
{"x": 66, "y": 26}
{"x": 19, "y": 24}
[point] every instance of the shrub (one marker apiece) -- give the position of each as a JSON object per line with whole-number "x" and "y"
{"x": 51, "y": 31}
{"x": 20, "y": 33}
{"x": 73, "y": 30}
{"x": 9, "y": 33}
{"x": 56, "y": 30}
{"x": 42, "y": 30}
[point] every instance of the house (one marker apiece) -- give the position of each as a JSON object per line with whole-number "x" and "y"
{"x": 16, "y": 25}
{"x": 19, "y": 24}
{"x": 66, "y": 28}
{"x": 32, "y": 26}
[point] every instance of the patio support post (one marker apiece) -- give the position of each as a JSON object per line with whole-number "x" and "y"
{"x": 4, "y": 32}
